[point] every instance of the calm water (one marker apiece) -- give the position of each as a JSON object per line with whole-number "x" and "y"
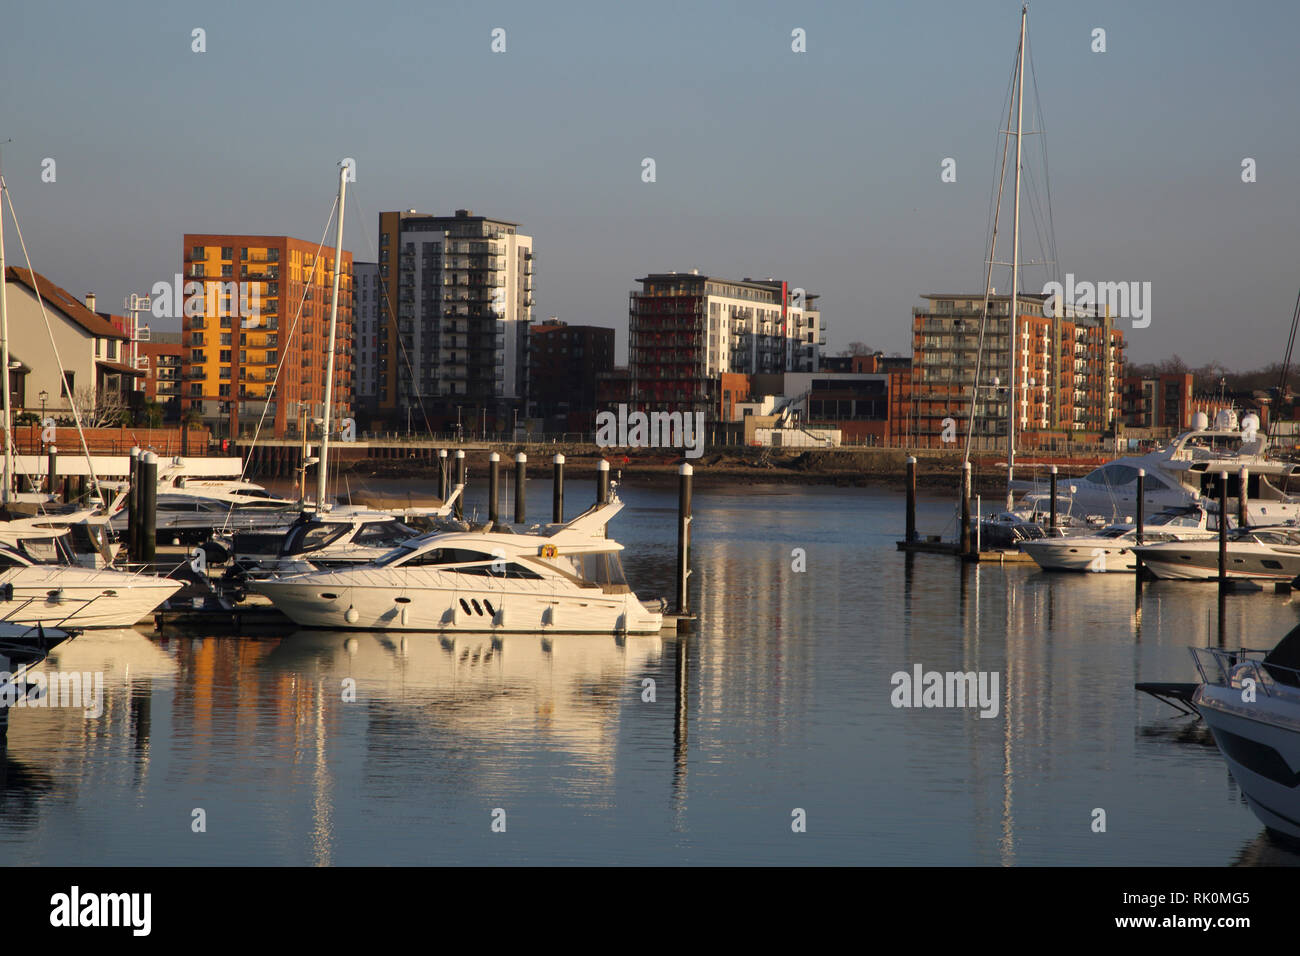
{"x": 780, "y": 700}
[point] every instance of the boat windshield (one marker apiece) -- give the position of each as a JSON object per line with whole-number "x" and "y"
{"x": 1177, "y": 518}
{"x": 1287, "y": 537}
{"x": 384, "y": 534}
{"x": 313, "y": 537}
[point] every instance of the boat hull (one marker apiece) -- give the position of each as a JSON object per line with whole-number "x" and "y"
{"x": 1061, "y": 555}
{"x": 316, "y": 601}
{"x": 1187, "y": 564}
{"x": 1260, "y": 753}
{"x": 81, "y": 598}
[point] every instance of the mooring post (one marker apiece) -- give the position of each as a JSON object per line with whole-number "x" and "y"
{"x": 1141, "y": 502}
{"x": 911, "y": 499}
{"x": 1223, "y": 530}
{"x": 51, "y": 470}
{"x": 684, "y": 474}
{"x": 1051, "y": 521}
{"x": 602, "y": 482}
{"x": 1242, "y": 496}
{"x": 442, "y": 474}
{"x": 133, "y": 506}
{"x": 557, "y": 491}
{"x": 965, "y": 510}
{"x": 148, "y": 507}
{"x": 521, "y": 467}
{"x": 494, "y": 484}
{"x": 460, "y": 480}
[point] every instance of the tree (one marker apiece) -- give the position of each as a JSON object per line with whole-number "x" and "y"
{"x": 102, "y": 409}
{"x": 858, "y": 348}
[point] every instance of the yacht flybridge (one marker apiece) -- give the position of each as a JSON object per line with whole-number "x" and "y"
{"x": 565, "y": 579}
{"x": 1187, "y": 470}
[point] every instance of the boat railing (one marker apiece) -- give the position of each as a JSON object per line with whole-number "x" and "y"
{"x": 1224, "y": 668}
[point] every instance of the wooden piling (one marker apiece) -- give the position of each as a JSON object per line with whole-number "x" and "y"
{"x": 966, "y": 550}
{"x": 1242, "y": 496}
{"x": 911, "y": 500}
{"x": 460, "y": 480}
{"x": 1223, "y": 531}
{"x": 494, "y": 485}
{"x": 684, "y": 479}
{"x": 557, "y": 490}
{"x": 148, "y": 507}
{"x": 602, "y": 482}
{"x": 1051, "y": 520}
{"x": 521, "y": 504}
{"x": 133, "y": 507}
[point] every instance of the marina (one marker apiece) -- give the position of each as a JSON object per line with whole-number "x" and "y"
{"x": 556, "y": 731}
{"x": 538, "y": 454}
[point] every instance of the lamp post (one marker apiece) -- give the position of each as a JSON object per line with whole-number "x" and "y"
{"x": 44, "y": 397}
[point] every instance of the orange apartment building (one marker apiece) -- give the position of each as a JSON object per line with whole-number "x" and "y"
{"x": 1069, "y": 377}
{"x": 242, "y": 354}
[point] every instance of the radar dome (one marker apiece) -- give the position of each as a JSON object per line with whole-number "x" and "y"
{"x": 1226, "y": 420}
{"x": 1250, "y": 422}
{"x": 1200, "y": 421}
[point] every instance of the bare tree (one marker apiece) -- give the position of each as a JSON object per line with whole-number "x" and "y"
{"x": 105, "y": 409}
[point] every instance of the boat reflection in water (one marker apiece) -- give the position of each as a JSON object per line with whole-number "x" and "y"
{"x": 568, "y": 686}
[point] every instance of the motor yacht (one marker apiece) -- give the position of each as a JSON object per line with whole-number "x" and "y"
{"x": 32, "y": 593}
{"x": 564, "y": 579}
{"x": 1266, "y": 553}
{"x": 1250, "y": 700}
{"x": 1111, "y": 549}
{"x": 1186, "y": 471}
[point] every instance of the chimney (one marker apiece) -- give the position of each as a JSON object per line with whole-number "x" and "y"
{"x": 464, "y": 213}
{"x": 90, "y": 301}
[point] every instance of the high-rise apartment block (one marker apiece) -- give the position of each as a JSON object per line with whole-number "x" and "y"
{"x": 686, "y": 330}
{"x": 248, "y": 347}
{"x": 456, "y": 299}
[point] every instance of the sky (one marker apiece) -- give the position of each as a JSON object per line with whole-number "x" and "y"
{"x": 822, "y": 168}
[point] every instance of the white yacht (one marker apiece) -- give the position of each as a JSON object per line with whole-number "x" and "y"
{"x": 565, "y": 579}
{"x": 56, "y": 595}
{"x": 319, "y": 542}
{"x": 1250, "y": 700}
{"x": 1111, "y": 549}
{"x": 1186, "y": 471}
{"x": 1268, "y": 553}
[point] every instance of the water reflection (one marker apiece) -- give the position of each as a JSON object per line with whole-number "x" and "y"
{"x": 330, "y": 748}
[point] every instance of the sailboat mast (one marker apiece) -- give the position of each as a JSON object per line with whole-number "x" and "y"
{"x": 4, "y": 358}
{"x": 321, "y": 472}
{"x": 1013, "y": 399}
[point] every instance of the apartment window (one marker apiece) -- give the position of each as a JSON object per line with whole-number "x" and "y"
{"x": 227, "y": 252}
{"x": 225, "y": 355}
{"x": 69, "y": 378}
{"x": 196, "y": 356}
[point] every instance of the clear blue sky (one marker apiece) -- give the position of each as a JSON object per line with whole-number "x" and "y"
{"x": 821, "y": 168}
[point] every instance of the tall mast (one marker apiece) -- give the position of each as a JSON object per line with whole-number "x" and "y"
{"x": 1013, "y": 399}
{"x": 329, "y": 361}
{"x": 4, "y": 358}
